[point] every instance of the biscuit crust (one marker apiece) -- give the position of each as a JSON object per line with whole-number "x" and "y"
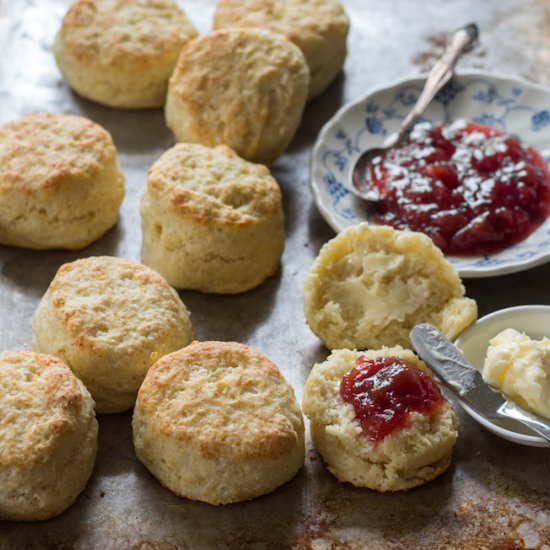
{"x": 217, "y": 422}
{"x": 110, "y": 319}
{"x": 60, "y": 183}
{"x": 419, "y": 452}
{"x": 211, "y": 221}
{"x": 318, "y": 27}
{"x": 371, "y": 284}
{"x": 245, "y": 88}
{"x": 121, "y": 53}
{"x": 48, "y": 436}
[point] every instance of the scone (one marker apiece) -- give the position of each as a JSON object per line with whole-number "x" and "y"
{"x": 48, "y": 436}
{"x": 211, "y": 221}
{"x": 378, "y": 419}
{"x": 121, "y": 53}
{"x": 245, "y": 88}
{"x": 110, "y": 319}
{"x": 60, "y": 183}
{"x": 318, "y": 27}
{"x": 217, "y": 422}
{"x": 371, "y": 284}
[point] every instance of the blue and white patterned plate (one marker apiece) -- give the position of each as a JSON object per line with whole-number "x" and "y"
{"x": 510, "y": 104}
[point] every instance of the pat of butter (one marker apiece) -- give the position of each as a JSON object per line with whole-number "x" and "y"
{"x": 520, "y": 368}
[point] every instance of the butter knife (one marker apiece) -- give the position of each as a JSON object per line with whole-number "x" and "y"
{"x": 459, "y": 375}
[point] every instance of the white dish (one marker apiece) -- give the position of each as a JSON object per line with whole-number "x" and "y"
{"x": 535, "y": 322}
{"x": 510, "y": 104}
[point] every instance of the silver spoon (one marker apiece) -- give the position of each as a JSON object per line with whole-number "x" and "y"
{"x": 462, "y": 40}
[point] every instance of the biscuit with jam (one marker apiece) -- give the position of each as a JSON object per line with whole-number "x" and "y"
{"x": 378, "y": 419}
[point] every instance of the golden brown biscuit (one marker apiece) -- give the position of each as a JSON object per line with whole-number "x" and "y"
{"x": 211, "y": 221}
{"x": 60, "y": 183}
{"x": 121, "y": 53}
{"x": 110, "y": 319}
{"x": 245, "y": 88}
{"x": 217, "y": 422}
{"x": 417, "y": 453}
{"x": 371, "y": 284}
{"x": 48, "y": 436}
{"x": 318, "y": 27}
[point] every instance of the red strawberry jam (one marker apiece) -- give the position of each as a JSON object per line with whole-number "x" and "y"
{"x": 471, "y": 188}
{"x": 384, "y": 393}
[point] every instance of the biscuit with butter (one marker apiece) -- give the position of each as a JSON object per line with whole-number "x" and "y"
{"x": 110, "y": 319}
{"x": 211, "y": 221}
{"x": 371, "y": 284}
{"x": 48, "y": 436}
{"x": 245, "y": 88}
{"x": 318, "y": 27}
{"x": 60, "y": 182}
{"x": 403, "y": 458}
{"x": 121, "y": 53}
{"x": 217, "y": 422}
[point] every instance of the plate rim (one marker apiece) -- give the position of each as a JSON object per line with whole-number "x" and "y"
{"x": 326, "y": 213}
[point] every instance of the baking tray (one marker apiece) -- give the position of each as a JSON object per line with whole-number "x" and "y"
{"x": 495, "y": 495}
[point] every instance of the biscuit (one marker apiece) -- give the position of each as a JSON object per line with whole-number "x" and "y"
{"x": 245, "y": 88}
{"x": 217, "y": 422}
{"x": 48, "y": 436}
{"x": 211, "y": 221}
{"x": 318, "y": 27}
{"x": 371, "y": 284}
{"x": 110, "y": 319}
{"x": 60, "y": 183}
{"x": 121, "y": 53}
{"x": 403, "y": 459}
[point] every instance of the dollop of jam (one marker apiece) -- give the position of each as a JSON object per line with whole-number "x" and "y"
{"x": 384, "y": 393}
{"x": 473, "y": 189}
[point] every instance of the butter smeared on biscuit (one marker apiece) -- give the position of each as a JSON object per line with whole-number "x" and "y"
{"x": 371, "y": 284}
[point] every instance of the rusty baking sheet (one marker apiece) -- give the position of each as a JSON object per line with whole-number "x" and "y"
{"x": 495, "y": 495}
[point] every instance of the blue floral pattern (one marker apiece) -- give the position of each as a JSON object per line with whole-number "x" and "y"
{"x": 540, "y": 120}
{"x": 508, "y": 104}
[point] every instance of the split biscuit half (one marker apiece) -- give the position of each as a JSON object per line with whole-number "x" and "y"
{"x": 371, "y": 284}
{"x": 406, "y": 458}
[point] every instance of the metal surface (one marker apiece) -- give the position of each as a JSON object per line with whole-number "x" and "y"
{"x": 495, "y": 495}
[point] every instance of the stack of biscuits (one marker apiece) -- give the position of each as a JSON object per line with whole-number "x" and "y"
{"x": 212, "y": 421}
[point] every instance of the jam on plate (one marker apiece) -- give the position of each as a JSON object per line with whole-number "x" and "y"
{"x": 385, "y": 392}
{"x": 473, "y": 189}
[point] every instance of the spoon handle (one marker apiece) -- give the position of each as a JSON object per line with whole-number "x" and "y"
{"x": 462, "y": 40}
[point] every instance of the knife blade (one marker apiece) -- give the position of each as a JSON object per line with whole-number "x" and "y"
{"x": 457, "y": 373}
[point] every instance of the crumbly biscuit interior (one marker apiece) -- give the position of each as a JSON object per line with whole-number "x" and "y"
{"x": 370, "y": 286}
